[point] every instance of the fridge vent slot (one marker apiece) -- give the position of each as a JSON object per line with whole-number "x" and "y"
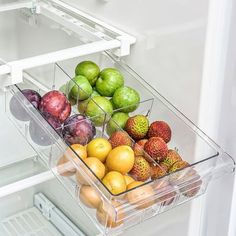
{"x": 28, "y": 223}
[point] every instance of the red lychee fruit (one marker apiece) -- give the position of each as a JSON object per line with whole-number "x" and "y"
{"x": 160, "y": 129}
{"x": 119, "y": 138}
{"x": 164, "y": 166}
{"x": 157, "y": 171}
{"x": 156, "y": 148}
{"x": 169, "y": 197}
{"x": 137, "y": 126}
{"x": 139, "y": 147}
{"x": 191, "y": 183}
{"x": 178, "y": 177}
{"x": 171, "y": 158}
{"x": 141, "y": 169}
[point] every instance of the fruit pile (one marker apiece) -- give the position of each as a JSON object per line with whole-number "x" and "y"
{"x": 56, "y": 109}
{"x": 100, "y": 91}
{"x": 134, "y": 153}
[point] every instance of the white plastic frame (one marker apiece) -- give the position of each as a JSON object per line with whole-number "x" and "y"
{"x": 121, "y": 41}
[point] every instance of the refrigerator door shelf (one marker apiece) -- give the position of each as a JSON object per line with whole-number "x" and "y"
{"x": 75, "y": 34}
{"x": 118, "y": 212}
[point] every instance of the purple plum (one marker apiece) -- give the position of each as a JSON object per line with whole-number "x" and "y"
{"x": 16, "y": 107}
{"x": 78, "y": 129}
{"x": 56, "y": 104}
{"x": 38, "y": 133}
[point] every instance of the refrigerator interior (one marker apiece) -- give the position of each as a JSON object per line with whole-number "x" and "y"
{"x": 27, "y": 163}
{"x": 20, "y": 216}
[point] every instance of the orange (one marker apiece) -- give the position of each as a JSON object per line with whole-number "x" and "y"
{"x": 96, "y": 166}
{"x": 128, "y": 179}
{"x": 99, "y": 147}
{"x": 121, "y": 159}
{"x": 89, "y": 196}
{"x": 79, "y": 149}
{"x": 141, "y": 197}
{"x": 115, "y": 182}
{"x": 107, "y": 215}
{"x": 65, "y": 167}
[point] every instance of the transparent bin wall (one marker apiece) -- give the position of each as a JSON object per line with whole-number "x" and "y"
{"x": 28, "y": 34}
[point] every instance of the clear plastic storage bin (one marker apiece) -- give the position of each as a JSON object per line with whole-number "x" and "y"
{"x": 156, "y": 195}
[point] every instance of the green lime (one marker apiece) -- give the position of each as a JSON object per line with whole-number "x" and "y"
{"x": 108, "y": 81}
{"x": 97, "y": 108}
{"x": 88, "y": 69}
{"x": 126, "y": 99}
{"x": 80, "y": 88}
{"x": 118, "y": 120}
{"x": 82, "y": 105}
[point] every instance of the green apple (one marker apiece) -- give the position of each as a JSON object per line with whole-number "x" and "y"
{"x": 108, "y": 81}
{"x": 98, "y": 108}
{"x": 82, "y": 105}
{"x": 80, "y": 88}
{"x": 88, "y": 69}
{"x": 126, "y": 99}
{"x": 118, "y": 120}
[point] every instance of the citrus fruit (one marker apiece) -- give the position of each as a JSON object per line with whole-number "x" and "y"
{"x": 82, "y": 105}
{"x": 99, "y": 148}
{"x": 79, "y": 88}
{"x": 89, "y": 196}
{"x": 95, "y": 166}
{"x": 118, "y": 120}
{"x": 120, "y": 159}
{"x": 107, "y": 216}
{"x": 96, "y": 109}
{"x": 115, "y": 182}
{"x": 128, "y": 179}
{"x": 126, "y": 99}
{"x": 65, "y": 166}
{"x": 141, "y": 196}
{"x": 88, "y": 69}
{"x": 108, "y": 81}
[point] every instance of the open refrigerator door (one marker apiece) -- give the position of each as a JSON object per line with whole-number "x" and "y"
{"x": 37, "y": 166}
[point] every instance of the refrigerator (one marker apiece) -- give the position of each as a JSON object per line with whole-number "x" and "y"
{"x": 179, "y": 55}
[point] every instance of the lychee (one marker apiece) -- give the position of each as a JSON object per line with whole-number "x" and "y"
{"x": 164, "y": 166}
{"x": 160, "y": 129}
{"x": 191, "y": 183}
{"x": 178, "y": 166}
{"x": 171, "y": 158}
{"x": 176, "y": 178}
{"x": 137, "y": 126}
{"x": 156, "y": 148}
{"x": 141, "y": 169}
{"x": 139, "y": 147}
{"x": 119, "y": 138}
{"x": 157, "y": 171}
{"x": 168, "y": 198}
